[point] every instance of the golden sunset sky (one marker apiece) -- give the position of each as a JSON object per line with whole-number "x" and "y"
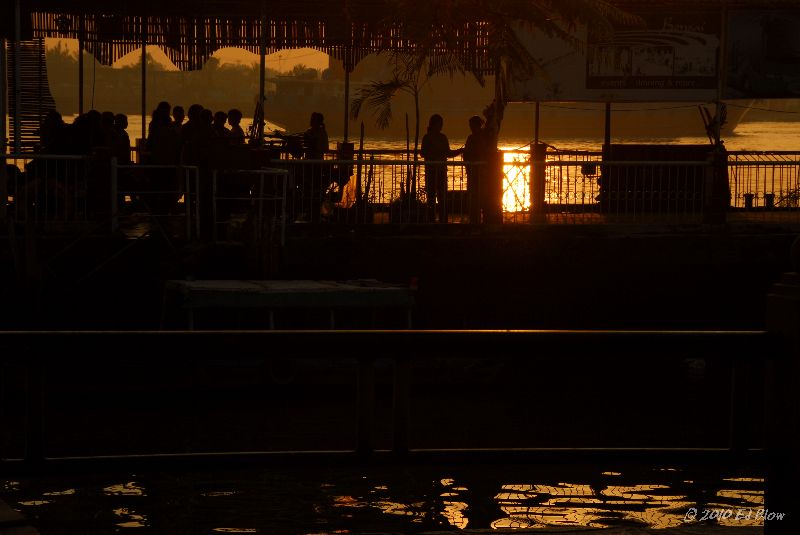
{"x": 282, "y": 61}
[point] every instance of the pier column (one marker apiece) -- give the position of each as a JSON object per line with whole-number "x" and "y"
{"x": 538, "y": 167}
{"x": 782, "y": 406}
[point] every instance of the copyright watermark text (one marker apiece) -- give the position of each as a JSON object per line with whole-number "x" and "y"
{"x": 742, "y": 514}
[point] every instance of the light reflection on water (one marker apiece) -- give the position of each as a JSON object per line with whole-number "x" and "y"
{"x": 388, "y": 499}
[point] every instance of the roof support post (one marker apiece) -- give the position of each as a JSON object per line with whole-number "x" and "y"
{"x": 144, "y": 80}
{"x": 262, "y": 53}
{"x": 80, "y": 67}
{"x": 3, "y": 97}
{"x": 17, "y": 74}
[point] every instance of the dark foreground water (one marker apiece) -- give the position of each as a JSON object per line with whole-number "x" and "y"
{"x": 387, "y": 498}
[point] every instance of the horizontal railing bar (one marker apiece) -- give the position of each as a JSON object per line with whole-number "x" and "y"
{"x": 420, "y": 455}
{"x": 44, "y": 157}
{"x": 402, "y": 344}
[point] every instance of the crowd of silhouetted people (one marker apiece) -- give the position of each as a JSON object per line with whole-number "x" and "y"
{"x": 171, "y": 138}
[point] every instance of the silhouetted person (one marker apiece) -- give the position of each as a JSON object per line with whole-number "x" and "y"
{"x": 315, "y": 178}
{"x": 315, "y": 139}
{"x": 123, "y": 141}
{"x": 52, "y": 134}
{"x": 109, "y": 133}
{"x": 237, "y": 133}
{"x": 436, "y": 148}
{"x": 218, "y": 125}
{"x": 476, "y": 149}
{"x": 157, "y": 117}
{"x": 162, "y": 140}
{"x": 178, "y": 116}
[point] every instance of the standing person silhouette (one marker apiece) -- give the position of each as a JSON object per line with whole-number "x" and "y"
{"x": 477, "y": 154}
{"x": 436, "y": 149}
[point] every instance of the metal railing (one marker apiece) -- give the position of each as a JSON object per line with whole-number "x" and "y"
{"x": 390, "y": 187}
{"x": 35, "y": 353}
{"x": 258, "y": 196}
{"x": 156, "y": 192}
{"x": 49, "y": 189}
{"x": 765, "y": 185}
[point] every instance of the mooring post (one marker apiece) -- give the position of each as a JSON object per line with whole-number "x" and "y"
{"x": 782, "y": 406}
{"x": 34, "y": 436}
{"x": 538, "y": 181}
{"x": 365, "y": 405}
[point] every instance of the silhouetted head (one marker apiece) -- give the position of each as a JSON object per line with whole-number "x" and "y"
{"x": 164, "y": 107}
{"x": 234, "y": 117}
{"x": 317, "y": 119}
{"x": 475, "y": 123}
{"x": 219, "y": 119}
{"x": 94, "y": 118}
{"x": 194, "y": 112}
{"x": 121, "y": 121}
{"x": 178, "y": 115}
{"x": 207, "y": 116}
{"x": 108, "y": 119}
{"x": 435, "y": 123}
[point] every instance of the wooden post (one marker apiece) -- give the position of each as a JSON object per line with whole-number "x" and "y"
{"x": 538, "y": 167}
{"x": 782, "y": 418}
{"x": 144, "y": 81}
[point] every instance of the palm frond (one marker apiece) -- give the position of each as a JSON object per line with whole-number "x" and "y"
{"x": 378, "y": 96}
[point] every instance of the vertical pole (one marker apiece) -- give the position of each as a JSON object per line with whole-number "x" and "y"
{"x": 80, "y": 67}
{"x": 144, "y": 81}
{"x": 538, "y": 181}
{"x": 114, "y": 196}
{"x": 3, "y": 97}
{"x": 782, "y": 406}
{"x": 3, "y": 131}
{"x": 17, "y": 75}
{"x": 607, "y": 131}
{"x": 346, "y": 94}
{"x": 402, "y": 385}
{"x": 365, "y": 405}
{"x": 262, "y": 66}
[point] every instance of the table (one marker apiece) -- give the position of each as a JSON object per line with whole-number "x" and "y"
{"x": 277, "y": 294}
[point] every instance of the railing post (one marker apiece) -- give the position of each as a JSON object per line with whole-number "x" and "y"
{"x": 494, "y": 189}
{"x": 782, "y": 406}
{"x": 402, "y": 385}
{"x": 538, "y": 167}
{"x": 114, "y": 199}
{"x": 716, "y": 191}
{"x": 214, "y": 206}
{"x": 365, "y": 406}
{"x": 34, "y": 436}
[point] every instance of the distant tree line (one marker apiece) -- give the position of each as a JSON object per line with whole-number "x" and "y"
{"x": 216, "y": 86}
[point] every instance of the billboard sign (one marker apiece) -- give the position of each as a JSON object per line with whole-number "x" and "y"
{"x": 674, "y": 58}
{"x": 763, "y": 54}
